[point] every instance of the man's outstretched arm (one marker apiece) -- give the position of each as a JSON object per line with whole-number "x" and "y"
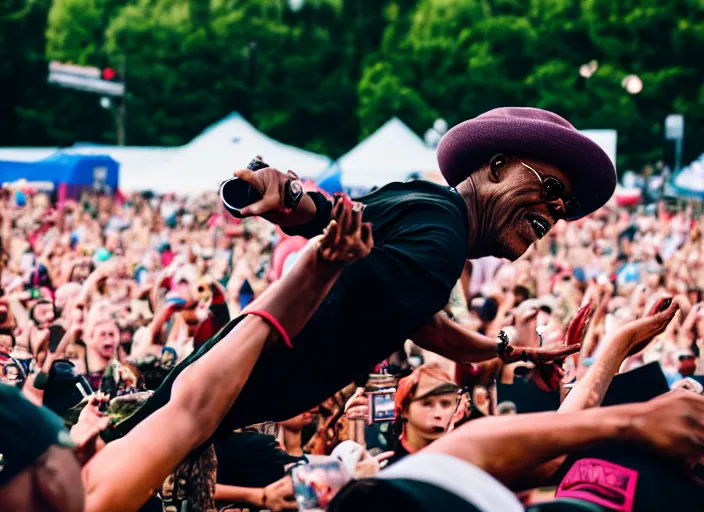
{"x": 123, "y": 474}
{"x": 507, "y": 447}
{"x": 449, "y": 339}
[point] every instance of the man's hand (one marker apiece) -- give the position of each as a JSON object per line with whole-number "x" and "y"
{"x": 672, "y": 424}
{"x": 346, "y": 238}
{"x": 539, "y": 355}
{"x": 270, "y": 183}
{"x": 357, "y": 407}
{"x": 279, "y": 496}
{"x": 91, "y": 422}
{"x": 636, "y": 335}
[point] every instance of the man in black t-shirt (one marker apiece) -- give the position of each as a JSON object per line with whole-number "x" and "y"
{"x": 515, "y": 173}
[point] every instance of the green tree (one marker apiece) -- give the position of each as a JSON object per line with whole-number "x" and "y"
{"x": 22, "y": 71}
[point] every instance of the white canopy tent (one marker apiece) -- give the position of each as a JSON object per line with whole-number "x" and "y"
{"x": 689, "y": 182}
{"x": 392, "y": 153}
{"x": 605, "y": 139}
{"x": 213, "y": 155}
{"x": 196, "y": 167}
{"x": 395, "y": 153}
{"x": 135, "y": 162}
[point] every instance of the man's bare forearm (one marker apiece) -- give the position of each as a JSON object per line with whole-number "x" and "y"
{"x": 591, "y": 389}
{"x": 508, "y": 447}
{"x": 291, "y": 302}
{"x": 232, "y": 493}
{"x": 449, "y": 339}
{"x": 201, "y": 395}
{"x": 304, "y": 288}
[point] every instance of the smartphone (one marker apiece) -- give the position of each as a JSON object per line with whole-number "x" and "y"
{"x": 56, "y": 333}
{"x": 235, "y": 193}
{"x": 381, "y": 405}
{"x": 316, "y": 484}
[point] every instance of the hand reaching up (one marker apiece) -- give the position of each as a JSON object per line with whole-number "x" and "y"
{"x": 578, "y": 326}
{"x": 572, "y": 345}
{"x": 548, "y": 376}
{"x": 346, "y": 238}
{"x": 539, "y": 355}
{"x": 91, "y": 422}
{"x": 636, "y": 335}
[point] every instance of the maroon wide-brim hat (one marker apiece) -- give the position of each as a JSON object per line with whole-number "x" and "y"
{"x": 530, "y": 133}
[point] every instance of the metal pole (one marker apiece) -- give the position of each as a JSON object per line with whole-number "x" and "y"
{"x": 122, "y": 113}
{"x": 678, "y": 154}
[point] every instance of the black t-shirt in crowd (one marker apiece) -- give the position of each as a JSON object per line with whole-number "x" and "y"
{"x": 400, "y": 452}
{"x": 627, "y": 478}
{"x": 251, "y": 459}
{"x": 421, "y": 244}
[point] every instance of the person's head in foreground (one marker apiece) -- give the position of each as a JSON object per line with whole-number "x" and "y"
{"x": 425, "y": 404}
{"x": 38, "y": 467}
{"x": 521, "y": 170}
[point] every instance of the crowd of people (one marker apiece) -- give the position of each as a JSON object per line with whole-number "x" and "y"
{"x": 428, "y": 349}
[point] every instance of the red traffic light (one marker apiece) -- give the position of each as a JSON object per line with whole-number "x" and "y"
{"x": 108, "y": 74}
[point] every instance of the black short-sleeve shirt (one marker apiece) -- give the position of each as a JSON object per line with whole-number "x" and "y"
{"x": 421, "y": 243}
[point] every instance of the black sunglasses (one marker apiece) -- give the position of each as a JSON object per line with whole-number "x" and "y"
{"x": 554, "y": 189}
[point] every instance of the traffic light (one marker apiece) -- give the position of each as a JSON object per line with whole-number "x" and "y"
{"x": 109, "y": 74}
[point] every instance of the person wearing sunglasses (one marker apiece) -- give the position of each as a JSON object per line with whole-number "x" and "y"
{"x": 513, "y": 173}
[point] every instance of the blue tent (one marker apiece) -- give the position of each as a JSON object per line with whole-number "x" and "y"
{"x": 331, "y": 180}
{"x": 72, "y": 170}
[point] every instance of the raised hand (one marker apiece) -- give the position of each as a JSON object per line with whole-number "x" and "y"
{"x": 578, "y": 326}
{"x": 90, "y": 423}
{"x": 539, "y": 355}
{"x": 357, "y": 407}
{"x": 549, "y": 375}
{"x": 525, "y": 323}
{"x": 346, "y": 238}
{"x": 636, "y": 335}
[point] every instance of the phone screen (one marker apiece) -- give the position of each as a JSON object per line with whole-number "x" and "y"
{"x": 381, "y": 406}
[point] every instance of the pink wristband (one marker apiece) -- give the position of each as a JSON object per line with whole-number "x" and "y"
{"x": 274, "y": 323}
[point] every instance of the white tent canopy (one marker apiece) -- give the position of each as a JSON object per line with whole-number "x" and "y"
{"x": 392, "y": 153}
{"x": 690, "y": 180}
{"x": 605, "y": 139}
{"x": 213, "y": 155}
{"x": 196, "y": 167}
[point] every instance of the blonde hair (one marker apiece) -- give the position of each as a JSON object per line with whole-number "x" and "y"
{"x": 100, "y": 313}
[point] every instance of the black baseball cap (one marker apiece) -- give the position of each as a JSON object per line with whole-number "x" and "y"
{"x": 26, "y": 432}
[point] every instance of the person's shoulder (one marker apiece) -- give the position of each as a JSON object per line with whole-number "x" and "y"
{"x": 419, "y": 205}
{"x": 419, "y": 191}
